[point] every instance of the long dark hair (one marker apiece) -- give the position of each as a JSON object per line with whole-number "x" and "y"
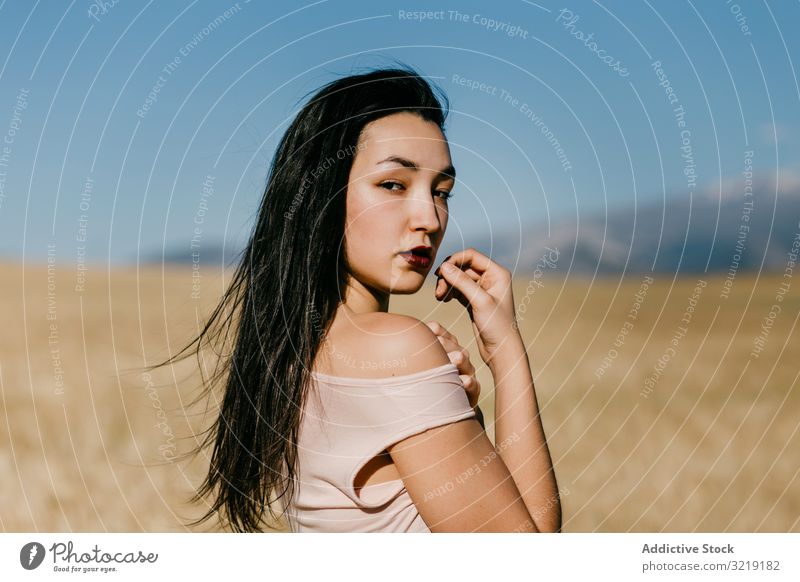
{"x": 285, "y": 291}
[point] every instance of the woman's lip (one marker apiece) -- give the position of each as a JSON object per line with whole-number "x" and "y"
{"x": 419, "y": 261}
{"x": 422, "y": 250}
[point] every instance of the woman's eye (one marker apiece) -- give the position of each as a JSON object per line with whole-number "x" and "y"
{"x": 390, "y": 184}
{"x": 443, "y": 194}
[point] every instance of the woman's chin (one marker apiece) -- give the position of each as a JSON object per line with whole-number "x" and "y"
{"x": 408, "y": 283}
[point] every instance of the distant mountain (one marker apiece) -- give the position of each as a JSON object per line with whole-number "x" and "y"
{"x": 208, "y": 254}
{"x": 684, "y": 234}
{"x": 681, "y": 234}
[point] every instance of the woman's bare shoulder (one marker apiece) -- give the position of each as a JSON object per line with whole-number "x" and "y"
{"x": 379, "y": 345}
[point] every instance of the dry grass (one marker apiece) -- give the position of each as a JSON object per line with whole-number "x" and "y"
{"x": 713, "y": 447}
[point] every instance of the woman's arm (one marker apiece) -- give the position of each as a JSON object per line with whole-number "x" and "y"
{"x": 484, "y": 288}
{"x": 460, "y": 357}
{"x": 452, "y": 472}
{"x": 519, "y": 436}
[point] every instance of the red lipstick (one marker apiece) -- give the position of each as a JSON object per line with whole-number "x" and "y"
{"x": 420, "y": 256}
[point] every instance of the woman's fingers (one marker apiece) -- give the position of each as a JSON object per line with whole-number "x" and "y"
{"x": 470, "y": 258}
{"x": 449, "y": 344}
{"x": 457, "y": 353}
{"x": 479, "y": 268}
{"x": 442, "y": 287}
{"x": 460, "y": 357}
{"x": 469, "y": 290}
{"x": 439, "y": 329}
{"x": 447, "y": 339}
{"x": 472, "y": 387}
{"x": 484, "y": 288}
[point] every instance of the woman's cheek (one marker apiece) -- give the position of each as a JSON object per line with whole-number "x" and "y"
{"x": 365, "y": 247}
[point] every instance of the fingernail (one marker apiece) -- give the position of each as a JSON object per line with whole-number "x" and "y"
{"x": 448, "y": 266}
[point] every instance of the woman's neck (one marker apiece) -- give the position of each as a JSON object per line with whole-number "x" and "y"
{"x": 360, "y": 299}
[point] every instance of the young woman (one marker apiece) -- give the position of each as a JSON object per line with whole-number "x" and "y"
{"x": 345, "y": 416}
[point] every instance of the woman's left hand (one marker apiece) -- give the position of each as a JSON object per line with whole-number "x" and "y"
{"x": 460, "y": 357}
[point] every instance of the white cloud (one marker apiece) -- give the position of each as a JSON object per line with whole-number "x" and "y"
{"x": 769, "y": 133}
{"x": 786, "y": 181}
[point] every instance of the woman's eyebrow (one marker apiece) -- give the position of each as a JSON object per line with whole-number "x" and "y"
{"x": 448, "y": 172}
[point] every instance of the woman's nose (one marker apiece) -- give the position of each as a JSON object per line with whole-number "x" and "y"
{"x": 423, "y": 212}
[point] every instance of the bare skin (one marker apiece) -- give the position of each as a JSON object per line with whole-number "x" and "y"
{"x": 373, "y": 204}
{"x": 347, "y": 337}
{"x": 390, "y": 208}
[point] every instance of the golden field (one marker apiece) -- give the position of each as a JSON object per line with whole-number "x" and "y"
{"x": 706, "y": 440}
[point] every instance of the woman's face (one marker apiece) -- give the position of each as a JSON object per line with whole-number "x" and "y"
{"x": 397, "y": 200}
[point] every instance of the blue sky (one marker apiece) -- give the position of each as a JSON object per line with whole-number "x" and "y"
{"x": 557, "y": 109}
